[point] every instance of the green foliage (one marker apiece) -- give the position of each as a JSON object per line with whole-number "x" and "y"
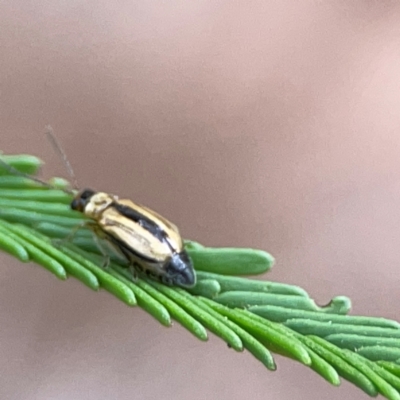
{"x": 259, "y": 316}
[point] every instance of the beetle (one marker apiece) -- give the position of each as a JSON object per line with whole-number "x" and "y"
{"x": 151, "y": 244}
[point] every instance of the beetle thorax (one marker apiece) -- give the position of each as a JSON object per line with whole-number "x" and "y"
{"x": 98, "y": 203}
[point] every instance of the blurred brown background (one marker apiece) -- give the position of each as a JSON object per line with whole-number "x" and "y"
{"x": 273, "y": 125}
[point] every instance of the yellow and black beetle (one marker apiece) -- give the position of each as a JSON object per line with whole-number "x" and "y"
{"x": 151, "y": 244}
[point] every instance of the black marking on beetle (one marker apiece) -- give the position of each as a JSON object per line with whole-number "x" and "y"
{"x": 142, "y": 220}
{"x": 126, "y": 250}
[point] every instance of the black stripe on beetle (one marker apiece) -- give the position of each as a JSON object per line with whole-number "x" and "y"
{"x": 142, "y": 220}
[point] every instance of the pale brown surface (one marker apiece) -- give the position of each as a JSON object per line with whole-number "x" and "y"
{"x": 266, "y": 124}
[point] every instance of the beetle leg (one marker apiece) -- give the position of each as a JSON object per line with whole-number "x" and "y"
{"x": 95, "y": 233}
{"x": 70, "y": 236}
{"x": 134, "y": 272}
{"x": 133, "y": 266}
{"x": 106, "y": 257}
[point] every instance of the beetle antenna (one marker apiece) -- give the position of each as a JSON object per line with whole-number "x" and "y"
{"x": 14, "y": 171}
{"x": 57, "y": 147}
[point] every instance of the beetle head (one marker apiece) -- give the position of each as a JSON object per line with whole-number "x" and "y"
{"x": 82, "y": 199}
